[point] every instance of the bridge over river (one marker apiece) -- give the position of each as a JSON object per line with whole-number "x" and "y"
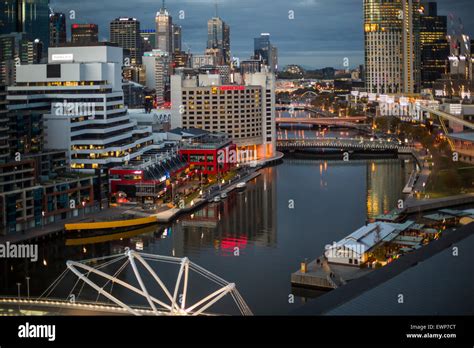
{"x": 339, "y": 143}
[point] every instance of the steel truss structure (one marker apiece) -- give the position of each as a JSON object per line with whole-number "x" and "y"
{"x": 177, "y": 298}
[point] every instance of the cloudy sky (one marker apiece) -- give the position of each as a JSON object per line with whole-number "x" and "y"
{"x": 322, "y": 33}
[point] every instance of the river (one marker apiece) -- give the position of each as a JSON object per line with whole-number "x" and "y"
{"x": 255, "y": 239}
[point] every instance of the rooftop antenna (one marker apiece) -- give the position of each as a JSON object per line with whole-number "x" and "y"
{"x": 163, "y": 6}
{"x": 217, "y": 9}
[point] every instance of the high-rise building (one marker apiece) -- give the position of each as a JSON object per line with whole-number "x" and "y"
{"x": 16, "y": 49}
{"x": 57, "y": 29}
{"x": 265, "y": 51}
{"x": 8, "y": 16}
{"x": 392, "y": 46}
{"x": 181, "y": 60}
{"x": 30, "y": 17}
{"x": 250, "y": 66}
{"x": 461, "y": 60}
{"x": 202, "y": 60}
{"x": 79, "y": 94}
{"x": 4, "y": 147}
{"x": 434, "y": 44}
{"x": 84, "y": 34}
{"x": 164, "y": 30}
{"x": 177, "y": 38}
{"x": 148, "y": 39}
{"x": 157, "y": 66}
{"x": 125, "y": 32}
{"x": 246, "y": 112}
{"x": 218, "y": 39}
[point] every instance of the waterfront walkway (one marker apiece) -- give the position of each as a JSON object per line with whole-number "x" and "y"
{"x": 171, "y": 214}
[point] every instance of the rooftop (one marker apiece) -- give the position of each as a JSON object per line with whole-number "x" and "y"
{"x": 464, "y": 136}
{"x": 367, "y": 237}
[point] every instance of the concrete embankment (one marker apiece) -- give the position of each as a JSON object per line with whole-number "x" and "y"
{"x": 171, "y": 214}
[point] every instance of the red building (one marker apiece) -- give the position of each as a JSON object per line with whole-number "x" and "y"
{"x": 210, "y": 158}
{"x": 129, "y": 184}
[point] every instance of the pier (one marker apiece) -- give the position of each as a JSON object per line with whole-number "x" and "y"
{"x": 357, "y": 287}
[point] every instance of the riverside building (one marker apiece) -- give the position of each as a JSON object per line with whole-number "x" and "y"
{"x": 246, "y": 112}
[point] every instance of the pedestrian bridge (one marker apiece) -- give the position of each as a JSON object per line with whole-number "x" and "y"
{"x": 322, "y": 121}
{"x": 136, "y": 274}
{"x": 336, "y": 143}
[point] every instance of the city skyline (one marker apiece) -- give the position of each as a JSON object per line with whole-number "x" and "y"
{"x": 327, "y": 34}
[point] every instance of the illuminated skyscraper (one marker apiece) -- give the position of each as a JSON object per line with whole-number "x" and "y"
{"x": 177, "y": 38}
{"x": 434, "y": 44}
{"x": 26, "y": 16}
{"x": 164, "y": 30}
{"x": 392, "y": 45}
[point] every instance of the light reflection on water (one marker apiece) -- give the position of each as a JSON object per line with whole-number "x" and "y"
{"x": 253, "y": 238}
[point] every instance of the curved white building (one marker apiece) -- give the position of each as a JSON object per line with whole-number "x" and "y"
{"x": 80, "y": 91}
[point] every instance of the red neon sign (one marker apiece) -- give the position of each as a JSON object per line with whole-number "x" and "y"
{"x": 232, "y": 88}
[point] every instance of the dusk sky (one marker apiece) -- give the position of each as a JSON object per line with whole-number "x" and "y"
{"x": 322, "y": 33}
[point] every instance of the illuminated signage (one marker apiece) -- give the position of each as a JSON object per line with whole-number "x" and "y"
{"x": 232, "y": 88}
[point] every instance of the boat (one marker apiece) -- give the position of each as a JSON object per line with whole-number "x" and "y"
{"x": 75, "y": 240}
{"x": 224, "y": 195}
{"x": 241, "y": 186}
{"x": 97, "y": 228}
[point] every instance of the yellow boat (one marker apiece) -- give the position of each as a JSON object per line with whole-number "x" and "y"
{"x": 118, "y": 225}
{"x": 110, "y": 236}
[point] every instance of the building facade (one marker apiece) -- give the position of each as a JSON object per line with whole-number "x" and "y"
{"x": 157, "y": 66}
{"x": 84, "y": 34}
{"x": 266, "y": 52}
{"x": 177, "y": 38}
{"x": 392, "y": 46}
{"x": 245, "y": 112}
{"x": 57, "y": 29}
{"x": 434, "y": 44}
{"x": 4, "y": 137}
{"x": 125, "y": 32}
{"x": 164, "y": 30}
{"x": 218, "y": 39}
{"x": 210, "y": 158}
{"x": 80, "y": 95}
{"x": 148, "y": 37}
{"x": 30, "y": 17}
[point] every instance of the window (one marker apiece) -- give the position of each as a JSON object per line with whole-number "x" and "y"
{"x": 53, "y": 71}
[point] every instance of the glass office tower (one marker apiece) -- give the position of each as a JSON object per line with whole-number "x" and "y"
{"x": 26, "y": 16}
